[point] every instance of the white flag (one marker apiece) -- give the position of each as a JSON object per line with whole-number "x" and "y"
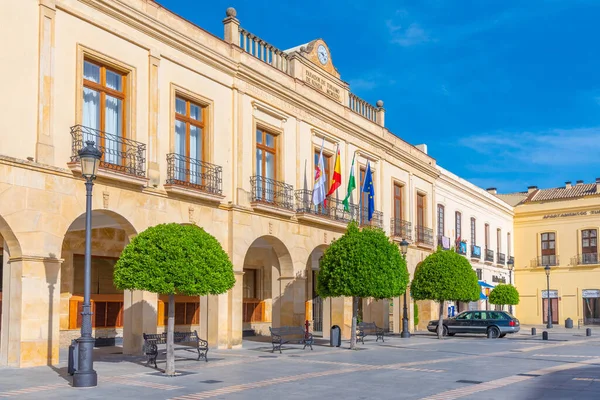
{"x": 319, "y": 189}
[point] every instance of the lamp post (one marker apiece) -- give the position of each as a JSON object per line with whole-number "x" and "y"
{"x": 511, "y": 266}
{"x": 405, "y": 332}
{"x": 547, "y": 269}
{"x": 85, "y": 376}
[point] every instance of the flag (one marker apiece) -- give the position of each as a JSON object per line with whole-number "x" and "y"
{"x": 318, "y": 195}
{"x": 368, "y": 188}
{"x": 336, "y": 181}
{"x": 351, "y": 187}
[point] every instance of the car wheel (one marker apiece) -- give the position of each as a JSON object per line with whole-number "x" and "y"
{"x": 451, "y": 334}
{"x": 502, "y": 335}
{"x": 493, "y": 332}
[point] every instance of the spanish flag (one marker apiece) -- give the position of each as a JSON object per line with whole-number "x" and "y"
{"x": 336, "y": 181}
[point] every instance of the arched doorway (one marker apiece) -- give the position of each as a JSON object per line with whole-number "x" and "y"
{"x": 110, "y": 234}
{"x": 267, "y": 298}
{"x": 315, "y": 304}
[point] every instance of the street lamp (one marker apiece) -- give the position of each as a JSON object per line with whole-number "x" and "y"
{"x": 511, "y": 266}
{"x": 85, "y": 376}
{"x": 405, "y": 332}
{"x": 547, "y": 269}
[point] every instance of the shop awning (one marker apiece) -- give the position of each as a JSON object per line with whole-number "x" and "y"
{"x": 482, "y": 296}
{"x": 485, "y": 285}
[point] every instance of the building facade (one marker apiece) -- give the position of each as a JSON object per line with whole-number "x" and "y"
{"x": 195, "y": 129}
{"x": 478, "y": 225}
{"x": 558, "y": 228}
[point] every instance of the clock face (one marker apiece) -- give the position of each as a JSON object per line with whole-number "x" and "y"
{"x": 322, "y": 53}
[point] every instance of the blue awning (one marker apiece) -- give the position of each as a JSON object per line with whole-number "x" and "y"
{"x": 485, "y": 285}
{"x": 482, "y": 296}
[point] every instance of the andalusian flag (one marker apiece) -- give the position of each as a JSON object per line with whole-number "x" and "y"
{"x": 351, "y": 187}
{"x": 336, "y": 181}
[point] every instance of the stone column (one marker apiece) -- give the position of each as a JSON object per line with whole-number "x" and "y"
{"x": 286, "y": 301}
{"x": 396, "y": 315}
{"x": 45, "y": 133}
{"x": 380, "y": 116}
{"x": 31, "y": 311}
{"x": 139, "y": 316}
{"x": 153, "y": 107}
{"x": 232, "y": 27}
{"x": 235, "y": 315}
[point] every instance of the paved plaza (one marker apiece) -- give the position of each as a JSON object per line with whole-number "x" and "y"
{"x": 422, "y": 367}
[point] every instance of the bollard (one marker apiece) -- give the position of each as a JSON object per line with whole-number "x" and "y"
{"x": 544, "y": 335}
{"x": 588, "y": 332}
{"x": 533, "y": 331}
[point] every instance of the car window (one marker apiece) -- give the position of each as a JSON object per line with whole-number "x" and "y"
{"x": 477, "y": 315}
{"x": 494, "y": 315}
{"x": 484, "y": 315}
{"x": 466, "y": 315}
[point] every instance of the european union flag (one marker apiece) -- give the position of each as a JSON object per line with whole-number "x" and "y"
{"x": 368, "y": 188}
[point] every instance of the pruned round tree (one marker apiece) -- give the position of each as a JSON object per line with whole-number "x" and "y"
{"x": 362, "y": 263}
{"x": 445, "y": 275}
{"x": 174, "y": 259}
{"x": 504, "y": 295}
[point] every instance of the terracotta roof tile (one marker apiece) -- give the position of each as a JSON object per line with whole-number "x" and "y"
{"x": 580, "y": 190}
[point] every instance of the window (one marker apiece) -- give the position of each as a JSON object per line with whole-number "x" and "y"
{"x": 589, "y": 246}
{"x": 185, "y": 313}
{"x": 104, "y": 101}
{"x": 189, "y": 139}
{"x": 250, "y": 284}
{"x": 420, "y": 210}
{"x": 266, "y": 152}
{"x": 457, "y": 226}
{"x": 499, "y": 241}
{"x": 440, "y": 220}
{"x": 473, "y": 233}
{"x": 479, "y": 273}
{"x": 327, "y": 163}
{"x": 548, "y": 248}
{"x": 508, "y": 245}
{"x": 487, "y": 236}
{"x": 398, "y": 202}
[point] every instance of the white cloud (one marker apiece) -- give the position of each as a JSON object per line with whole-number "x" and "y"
{"x": 370, "y": 80}
{"x": 410, "y": 36}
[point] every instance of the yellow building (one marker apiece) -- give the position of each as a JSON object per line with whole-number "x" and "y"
{"x": 195, "y": 129}
{"x": 558, "y": 228}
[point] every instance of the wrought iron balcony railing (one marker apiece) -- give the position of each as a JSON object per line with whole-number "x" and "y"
{"x": 424, "y": 235}
{"x": 587, "y": 259}
{"x": 489, "y": 255}
{"x": 274, "y": 193}
{"x": 376, "y": 220}
{"x": 475, "y": 252}
{"x": 551, "y": 260}
{"x": 195, "y": 174}
{"x": 401, "y": 229}
{"x": 333, "y": 209}
{"x": 501, "y": 259}
{"x": 118, "y": 153}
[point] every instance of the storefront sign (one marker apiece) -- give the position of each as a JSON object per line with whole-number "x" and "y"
{"x": 553, "y": 294}
{"x": 587, "y": 293}
{"x": 322, "y": 85}
{"x": 498, "y": 279}
{"x": 572, "y": 214}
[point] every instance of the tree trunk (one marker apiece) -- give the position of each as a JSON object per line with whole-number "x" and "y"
{"x": 440, "y": 327}
{"x": 170, "y": 368}
{"x": 354, "y": 315}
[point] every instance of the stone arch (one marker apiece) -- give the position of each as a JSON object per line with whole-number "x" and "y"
{"x": 317, "y": 315}
{"x": 284, "y": 257}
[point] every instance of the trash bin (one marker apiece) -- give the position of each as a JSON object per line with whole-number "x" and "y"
{"x": 569, "y": 323}
{"x": 335, "y": 336}
{"x": 73, "y": 357}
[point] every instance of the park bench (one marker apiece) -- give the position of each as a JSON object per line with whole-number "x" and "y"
{"x": 368, "y": 328}
{"x": 290, "y": 335}
{"x": 188, "y": 339}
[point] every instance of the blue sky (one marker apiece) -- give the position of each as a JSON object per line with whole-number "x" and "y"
{"x": 504, "y": 93}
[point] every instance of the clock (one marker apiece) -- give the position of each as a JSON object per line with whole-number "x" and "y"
{"x": 322, "y": 54}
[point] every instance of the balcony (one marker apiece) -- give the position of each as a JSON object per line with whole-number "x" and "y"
{"x": 272, "y": 196}
{"x": 400, "y": 229}
{"x": 122, "y": 158}
{"x": 332, "y": 214}
{"x": 461, "y": 248}
{"x": 586, "y": 259}
{"x": 424, "y": 236}
{"x": 376, "y": 220}
{"x": 542, "y": 261}
{"x": 443, "y": 242}
{"x": 475, "y": 252}
{"x": 511, "y": 260}
{"x": 195, "y": 178}
{"x": 489, "y": 255}
{"x": 501, "y": 259}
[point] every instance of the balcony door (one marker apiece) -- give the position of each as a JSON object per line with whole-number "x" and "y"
{"x": 266, "y": 155}
{"x": 189, "y": 141}
{"x": 589, "y": 246}
{"x": 103, "y": 111}
{"x": 548, "y": 248}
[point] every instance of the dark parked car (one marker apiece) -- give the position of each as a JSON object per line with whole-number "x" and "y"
{"x": 493, "y": 323}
